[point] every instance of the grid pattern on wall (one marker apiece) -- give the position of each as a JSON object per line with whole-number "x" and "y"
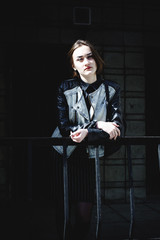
{"x": 125, "y": 65}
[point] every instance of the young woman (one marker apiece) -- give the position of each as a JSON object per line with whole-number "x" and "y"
{"x": 88, "y": 109}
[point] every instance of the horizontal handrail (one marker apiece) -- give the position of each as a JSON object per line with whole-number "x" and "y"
{"x": 132, "y": 140}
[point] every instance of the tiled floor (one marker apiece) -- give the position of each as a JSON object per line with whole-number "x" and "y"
{"x": 38, "y": 222}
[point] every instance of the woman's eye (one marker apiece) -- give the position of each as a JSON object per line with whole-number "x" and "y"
{"x": 90, "y": 56}
{"x": 80, "y": 59}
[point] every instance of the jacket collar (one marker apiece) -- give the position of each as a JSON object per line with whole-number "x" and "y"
{"x": 94, "y": 85}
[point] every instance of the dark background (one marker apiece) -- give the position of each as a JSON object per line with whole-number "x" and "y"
{"x": 34, "y": 41}
{"x": 33, "y": 65}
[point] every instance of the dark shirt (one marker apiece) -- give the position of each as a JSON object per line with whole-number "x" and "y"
{"x": 88, "y": 88}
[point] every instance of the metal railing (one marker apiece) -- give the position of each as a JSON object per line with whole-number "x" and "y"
{"x": 128, "y": 141}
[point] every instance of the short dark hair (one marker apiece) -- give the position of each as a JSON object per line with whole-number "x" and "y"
{"x": 96, "y": 56}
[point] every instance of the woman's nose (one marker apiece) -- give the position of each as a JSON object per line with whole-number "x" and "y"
{"x": 86, "y": 61}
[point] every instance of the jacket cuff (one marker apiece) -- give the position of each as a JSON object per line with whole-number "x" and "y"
{"x": 96, "y": 134}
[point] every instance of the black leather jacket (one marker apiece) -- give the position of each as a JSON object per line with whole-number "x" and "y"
{"x": 66, "y": 124}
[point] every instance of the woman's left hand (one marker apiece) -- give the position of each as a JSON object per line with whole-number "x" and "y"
{"x": 79, "y": 135}
{"x": 109, "y": 127}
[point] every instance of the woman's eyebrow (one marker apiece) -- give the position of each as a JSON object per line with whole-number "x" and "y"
{"x": 88, "y": 54}
{"x": 79, "y": 56}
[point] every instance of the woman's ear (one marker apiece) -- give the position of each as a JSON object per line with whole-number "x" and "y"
{"x": 73, "y": 68}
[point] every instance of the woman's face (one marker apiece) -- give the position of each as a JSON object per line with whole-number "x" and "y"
{"x": 84, "y": 62}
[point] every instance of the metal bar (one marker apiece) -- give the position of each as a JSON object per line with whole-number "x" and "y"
{"x": 29, "y": 176}
{"x": 159, "y": 156}
{"x": 65, "y": 185}
{"x": 132, "y": 140}
{"x": 98, "y": 194}
{"x": 131, "y": 193}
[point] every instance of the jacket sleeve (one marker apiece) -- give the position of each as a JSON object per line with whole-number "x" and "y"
{"x": 64, "y": 124}
{"x": 113, "y": 115}
{"x": 95, "y": 134}
{"x": 62, "y": 113}
{"x": 114, "y": 108}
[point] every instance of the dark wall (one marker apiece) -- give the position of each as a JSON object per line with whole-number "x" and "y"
{"x": 152, "y": 117}
{"x": 37, "y": 71}
{"x": 152, "y": 55}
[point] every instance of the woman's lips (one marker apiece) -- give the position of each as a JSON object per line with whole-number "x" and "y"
{"x": 87, "y": 68}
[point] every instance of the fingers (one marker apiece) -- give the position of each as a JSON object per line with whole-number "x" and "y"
{"x": 79, "y": 135}
{"x": 118, "y": 132}
{"x": 75, "y": 136}
{"x": 115, "y": 124}
{"x": 115, "y": 133}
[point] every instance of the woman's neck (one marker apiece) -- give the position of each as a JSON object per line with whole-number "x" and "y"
{"x": 89, "y": 79}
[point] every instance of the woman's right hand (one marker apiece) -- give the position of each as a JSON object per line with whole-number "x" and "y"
{"x": 109, "y": 127}
{"x": 79, "y": 135}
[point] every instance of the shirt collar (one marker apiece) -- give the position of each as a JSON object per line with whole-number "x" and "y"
{"x": 94, "y": 85}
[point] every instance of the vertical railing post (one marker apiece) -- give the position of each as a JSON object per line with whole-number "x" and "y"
{"x": 159, "y": 156}
{"x": 98, "y": 194}
{"x": 65, "y": 185}
{"x": 131, "y": 192}
{"x": 29, "y": 173}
